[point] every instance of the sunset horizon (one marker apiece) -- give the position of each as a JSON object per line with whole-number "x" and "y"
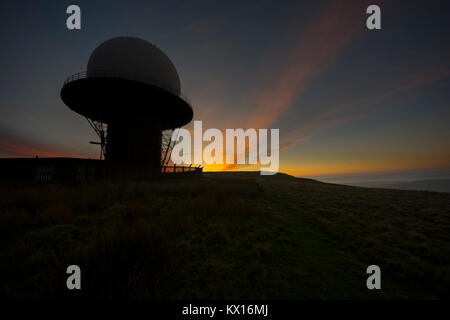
{"x": 347, "y": 100}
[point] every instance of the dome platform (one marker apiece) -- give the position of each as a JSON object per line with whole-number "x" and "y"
{"x": 106, "y": 95}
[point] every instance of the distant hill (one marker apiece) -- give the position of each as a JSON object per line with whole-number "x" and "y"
{"x": 436, "y": 185}
{"x": 440, "y": 185}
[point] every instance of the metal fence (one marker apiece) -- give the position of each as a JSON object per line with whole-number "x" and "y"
{"x": 71, "y": 170}
{"x": 181, "y": 169}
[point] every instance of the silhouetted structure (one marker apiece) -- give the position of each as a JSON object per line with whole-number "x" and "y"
{"x": 72, "y": 170}
{"x": 131, "y": 96}
{"x": 130, "y": 93}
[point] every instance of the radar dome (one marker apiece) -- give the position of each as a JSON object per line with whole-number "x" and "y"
{"x": 134, "y": 59}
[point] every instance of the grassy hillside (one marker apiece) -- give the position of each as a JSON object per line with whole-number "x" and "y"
{"x": 223, "y": 235}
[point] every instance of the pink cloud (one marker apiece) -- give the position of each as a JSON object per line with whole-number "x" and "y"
{"x": 15, "y": 145}
{"x": 337, "y": 24}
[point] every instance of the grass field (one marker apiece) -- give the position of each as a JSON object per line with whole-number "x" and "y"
{"x": 223, "y": 236}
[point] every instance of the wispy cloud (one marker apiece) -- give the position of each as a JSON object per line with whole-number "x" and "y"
{"x": 332, "y": 30}
{"x": 13, "y": 144}
{"x": 323, "y": 121}
{"x": 330, "y": 118}
{"x": 419, "y": 80}
{"x": 328, "y": 33}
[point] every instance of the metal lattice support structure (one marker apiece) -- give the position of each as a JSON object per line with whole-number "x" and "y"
{"x": 167, "y": 144}
{"x": 100, "y": 129}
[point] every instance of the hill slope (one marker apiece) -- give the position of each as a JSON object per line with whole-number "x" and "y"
{"x": 434, "y": 185}
{"x": 223, "y": 236}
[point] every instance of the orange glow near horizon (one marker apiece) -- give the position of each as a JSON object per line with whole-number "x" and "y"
{"x": 318, "y": 171}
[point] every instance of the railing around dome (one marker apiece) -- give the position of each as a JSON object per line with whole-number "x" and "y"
{"x": 126, "y": 75}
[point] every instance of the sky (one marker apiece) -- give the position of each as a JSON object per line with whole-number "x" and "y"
{"x": 351, "y": 104}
